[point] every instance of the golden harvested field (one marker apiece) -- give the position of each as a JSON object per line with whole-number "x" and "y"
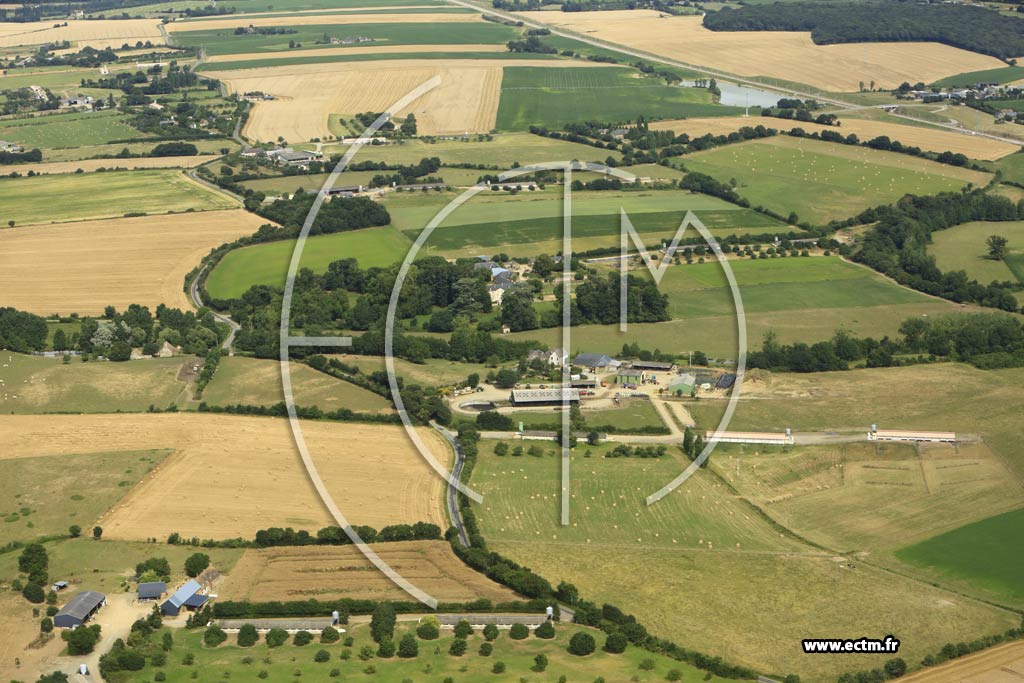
{"x": 335, "y": 572}
{"x": 88, "y": 165}
{"x": 98, "y": 33}
{"x": 785, "y": 55}
{"x": 231, "y": 476}
{"x": 466, "y": 100}
{"x": 317, "y": 19}
{"x": 929, "y": 139}
{"x": 371, "y": 50}
{"x": 1002, "y": 664}
{"x": 82, "y": 267}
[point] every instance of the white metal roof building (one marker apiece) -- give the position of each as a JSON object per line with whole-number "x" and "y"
{"x": 544, "y": 396}
{"x": 902, "y": 435}
{"x": 777, "y": 438}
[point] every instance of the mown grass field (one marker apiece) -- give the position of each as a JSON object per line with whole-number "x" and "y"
{"x": 253, "y": 381}
{"x": 697, "y": 598}
{"x": 94, "y": 151}
{"x": 608, "y": 509}
{"x": 267, "y": 264}
{"x": 38, "y": 498}
{"x": 964, "y": 247}
{"x": 433, "y": 372}
{"x": 823, "y": 181}
{"x": 779, "y": 284}
{"x": 556, "y": 97}
{"x": 85, "y": 196}
{"x": 986, "y": 555}
{"x": 277, "y": 60}
{"x": 31, "y": 384}
{"x": 225, "y": 42}
{"x": 68, "y": 130}
{"x": 999, "y": 75}
{"x": 502, "y": 150}
{"x": 518, "y": 656}
{"x": 631, "y": 416}
{"x": 871, "y": 498}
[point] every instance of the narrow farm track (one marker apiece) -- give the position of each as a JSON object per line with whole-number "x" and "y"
{"x": 197, "y": 301}
{"x": 452, "y": 493}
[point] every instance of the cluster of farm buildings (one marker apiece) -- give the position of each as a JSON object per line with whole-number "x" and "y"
{"x": 190, "y": 596}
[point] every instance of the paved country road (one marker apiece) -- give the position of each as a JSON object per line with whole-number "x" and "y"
{"x": 452, "y": 493}
{"x": 197, "y": 301}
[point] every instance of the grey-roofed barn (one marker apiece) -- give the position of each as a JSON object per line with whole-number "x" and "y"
{"x": 152, "y": 590}
{"x": 592, "y": 360}
{"x": 79, "y": 609}
{"x": 172, "y": 605}
{"x": 544, "y": 396}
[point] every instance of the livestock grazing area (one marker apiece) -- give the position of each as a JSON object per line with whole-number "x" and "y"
{"x": 82, "y": 267}
{"x": 711, "y": 544}
{"x": 86, "y": 196}
{"x": 335, "y": 572}
{"x": 30, "y": 384}
{"x": 541, "y": 96}
{"x": 774, "y": 55}
{"x": 231, "y": 476}
{"x": 964, "y": 247}
{"x": 823, "y": 181}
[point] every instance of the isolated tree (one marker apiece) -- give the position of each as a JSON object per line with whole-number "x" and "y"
{"x": 581, "y": 644}
{"x": 329, "y": 635}
{"x": 81, "y": 640}
{"x": 518, "y": 632}
{"x": 74, "y": 531}
{"x": 545, "y": 631}
{"x": 458, "y": 647}
{"x": 196, "y": 564}
{"x": 997, "y": 247}
{"x": 540, "y": 663}
{"x": 615, "y": 643}
{"x": 302, "y": 638}
{"x": 214, "y": 636}
{"x": 34, "y": 593}
{"x": 490, "y": 632}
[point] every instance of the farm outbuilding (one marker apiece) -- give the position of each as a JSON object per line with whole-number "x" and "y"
{"x": 542, "y": 397}
{"x": 656, "y": 366}
{"x": 152, "y": 590}
{"x": 776, "y": 438}
{"x": 900, "y": 435}
{"x": 630, "y": 376}
{"x": 187, "y": 596}
{"x": 79, "y": 609}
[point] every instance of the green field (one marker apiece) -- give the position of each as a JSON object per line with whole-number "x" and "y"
{"x": 702, "y": 600}
{"x": 632, "y": 416}
{"x": 855, "y": 399}
{"x": 252, "y": 381}
{"x": 556, "y": 97}
{"x": 218, "y": 146}
{"x": 31, "y": 384}
{"x": 521, "y": 503}
{"x": 225, "y": 42}
{"x": 963, "y": 247}
{"x": 432, "y": 372}
{"x": 245, "y": 6}
{"x": 987, "y": 555}
{"x": 68, "y": 130}
{"x": 998, "y": 75}
{"x": 1012, "y": 167}
{"x": 267, "y": 264}
{"x": 824, "y": 181}
{"x": 43, "y": 496}
{"x": 112, "y": 194}
{"x": 503, "y": 151}
{"x": 780, "y": 284}
{"x": 289, "y": 660}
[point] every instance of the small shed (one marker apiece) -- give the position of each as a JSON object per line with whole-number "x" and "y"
{"x": 79, "y": 609}
{"x": 152, "y": 590}
{"x": 59, "y": 586}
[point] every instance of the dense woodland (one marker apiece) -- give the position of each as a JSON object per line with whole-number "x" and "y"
{"x": 971, "y": 28}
